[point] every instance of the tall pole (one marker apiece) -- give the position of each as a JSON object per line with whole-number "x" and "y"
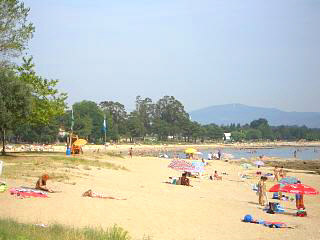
{"x": 105, "y": 129}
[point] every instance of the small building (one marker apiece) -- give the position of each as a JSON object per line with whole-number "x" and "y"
{"x": 227, "y": 137}
{"x": 62, "y": 132}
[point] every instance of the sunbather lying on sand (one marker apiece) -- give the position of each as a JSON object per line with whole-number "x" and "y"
{"x": 92, "y": 194}
{"x": 42, "y": 183}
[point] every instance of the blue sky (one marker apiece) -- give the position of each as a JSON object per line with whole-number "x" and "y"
{"x": 205, "y": 52}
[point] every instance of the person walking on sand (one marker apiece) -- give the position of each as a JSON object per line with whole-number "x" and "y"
{"x": 262, "y": 191}
{"x": 130, "y": 152}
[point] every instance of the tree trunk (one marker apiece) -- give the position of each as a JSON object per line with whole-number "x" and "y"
{"x": 3, "y": 141}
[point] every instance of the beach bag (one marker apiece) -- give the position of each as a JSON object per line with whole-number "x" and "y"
{"x": 275, "y": 195}
{"x": 271, "y": 209}
{"x": 301, "y": 213}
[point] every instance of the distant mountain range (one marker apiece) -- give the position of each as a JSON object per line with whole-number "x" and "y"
{"x": 238, "y": 113}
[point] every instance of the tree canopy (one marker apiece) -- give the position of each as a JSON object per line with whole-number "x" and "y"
{"x": 15, "y": 102}
{"x": 15, "y": 29}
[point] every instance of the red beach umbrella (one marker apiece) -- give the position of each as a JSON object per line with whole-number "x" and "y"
{"x": 276, "y": 188}
{"x": 299, "y": 188}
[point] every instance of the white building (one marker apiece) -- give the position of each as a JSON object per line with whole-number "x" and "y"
{"x": 227, "y": 136}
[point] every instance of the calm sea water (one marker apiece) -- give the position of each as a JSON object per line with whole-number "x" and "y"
{"x": 305, "y": 153}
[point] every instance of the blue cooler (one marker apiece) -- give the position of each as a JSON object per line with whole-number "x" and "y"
{"x": 68, "y": 152}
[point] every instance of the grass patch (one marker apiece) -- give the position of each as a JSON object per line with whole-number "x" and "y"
{"x": 86, "y": 162}
{"x": 21, "y": 166}
{"x": 10, "y": 229}
{"x": 114, "y": 154}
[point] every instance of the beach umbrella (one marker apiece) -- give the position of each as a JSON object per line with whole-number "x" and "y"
{"x": 181, "y": 165}
{"x": 289, "y": 180}
{"x": 246, "y": 165}
{"x": 277, "y": 188}
{"x": 299, "y": 188}
{"x": 259, "y": 163}
{"x": 190, "y": 151}
{"x": 80, "y": 142}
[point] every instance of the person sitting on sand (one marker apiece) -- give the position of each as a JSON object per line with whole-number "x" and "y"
{"x": 42, "y": 183}
{"x": 216, "y": 176}
{"x": 184, "y": 180}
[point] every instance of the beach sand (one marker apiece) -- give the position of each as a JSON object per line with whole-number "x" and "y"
{"x": 209, "y": 210}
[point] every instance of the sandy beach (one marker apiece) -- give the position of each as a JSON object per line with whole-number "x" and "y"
{"x": 209, "y": 210}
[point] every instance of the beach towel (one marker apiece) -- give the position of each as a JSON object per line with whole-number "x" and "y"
{"x": 249, "y": 219}
{"x": 27, "y": 192}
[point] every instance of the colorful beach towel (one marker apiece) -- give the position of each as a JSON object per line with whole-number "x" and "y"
{"x": 27, "y": 192}
{"x": 249, "y": 219}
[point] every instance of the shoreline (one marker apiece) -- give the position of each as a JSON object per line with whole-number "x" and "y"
{"x": 162, "y": 147}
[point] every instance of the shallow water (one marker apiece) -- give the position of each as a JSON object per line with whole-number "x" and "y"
{"x": 303, "y": 153}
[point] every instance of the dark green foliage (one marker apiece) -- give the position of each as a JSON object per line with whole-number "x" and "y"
{"x": 15, "y": 102}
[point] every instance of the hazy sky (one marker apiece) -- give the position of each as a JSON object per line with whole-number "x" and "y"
{"x": 204, "y": 52}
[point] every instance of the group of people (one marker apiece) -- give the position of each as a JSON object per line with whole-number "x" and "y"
{"x": 262, "y": 191}
{"x": 216, "y": 156}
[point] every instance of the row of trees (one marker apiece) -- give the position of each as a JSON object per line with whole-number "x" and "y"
{"x": 260, "y": 129}
{"x": 163, "y": 120}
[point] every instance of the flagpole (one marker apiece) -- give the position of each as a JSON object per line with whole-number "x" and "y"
{"x": 105, "y": 130}
{"x": 72, "y": 124}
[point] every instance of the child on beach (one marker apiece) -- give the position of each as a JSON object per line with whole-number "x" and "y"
{"x": 42, "y": 183}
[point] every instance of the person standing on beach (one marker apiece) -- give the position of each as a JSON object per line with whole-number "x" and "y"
{"x": 295, "y": 153}
{"x": 276, "y": 173}
{"x": 262, "y": 190}
{"x": 130, "y": 152}
{"x": 281, "y": 172}
{"x": 219, "y": 154}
